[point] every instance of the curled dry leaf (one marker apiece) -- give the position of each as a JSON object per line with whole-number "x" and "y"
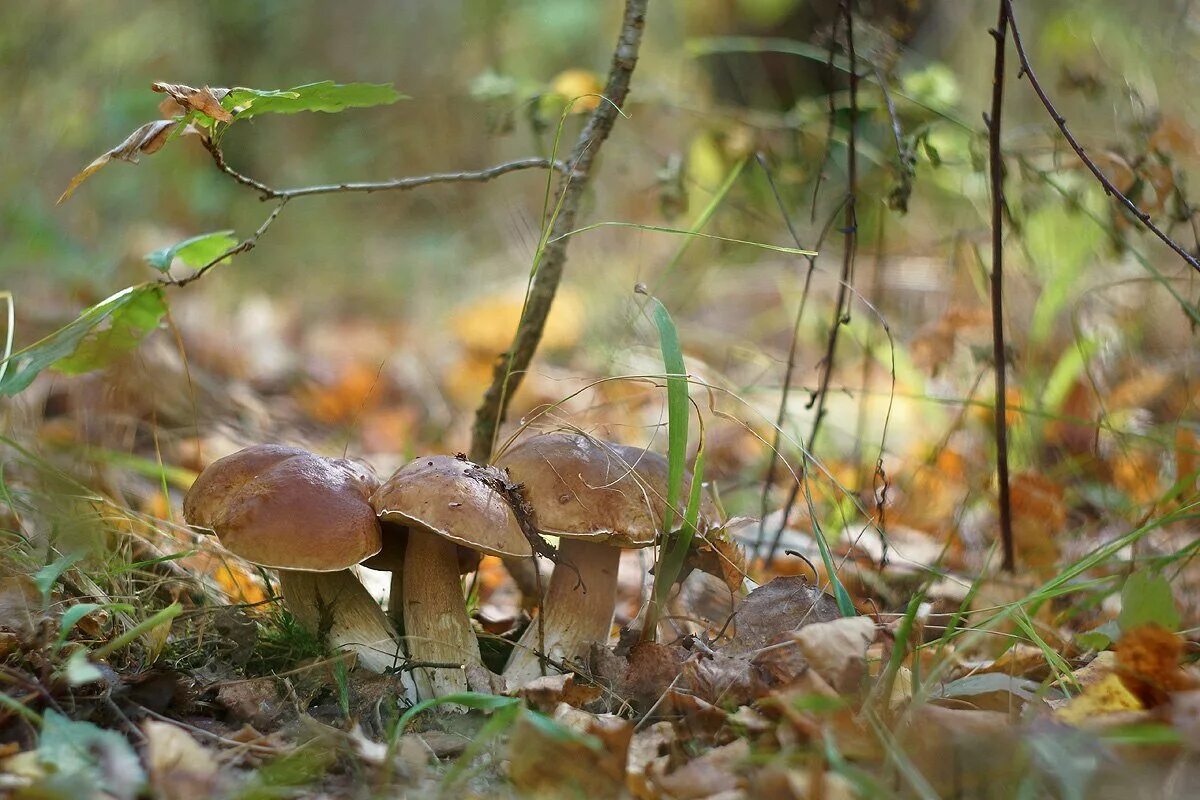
{"x": 548, "y": 691}
{"x": 147, "y": 139}
{"x": 205, "y": 100}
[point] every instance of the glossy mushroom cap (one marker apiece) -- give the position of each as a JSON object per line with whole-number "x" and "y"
{"x": 452, "y": 497}
{"x": 286, "y": 508}
{"x": 585, "y": 488}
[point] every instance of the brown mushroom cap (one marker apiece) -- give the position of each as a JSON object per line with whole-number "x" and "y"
{"x": 286, "y": 508}
{"x": 444, "y": 495}
{"x": 584, "y": 488}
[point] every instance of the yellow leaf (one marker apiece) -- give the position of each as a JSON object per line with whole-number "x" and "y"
{"x": 1106, "y": 696}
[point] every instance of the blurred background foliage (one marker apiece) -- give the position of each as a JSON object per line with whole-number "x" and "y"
{"x": 481, "y": 76}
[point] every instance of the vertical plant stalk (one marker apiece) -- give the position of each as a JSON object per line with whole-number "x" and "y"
{"x": 841, "y": 309}
{"x": 996, "y": 165}
{"x": 510, "y": 367}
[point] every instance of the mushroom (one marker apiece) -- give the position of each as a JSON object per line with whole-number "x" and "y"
{"x": 446, "y": 503}
{"x": 309, "y": 518}
{"x": 598, "y": 498}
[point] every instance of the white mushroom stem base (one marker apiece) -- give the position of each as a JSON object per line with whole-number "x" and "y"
{"x": 577, "y": 611}
{"x": 436, "y": 626}
{"x": 338, "y": 603}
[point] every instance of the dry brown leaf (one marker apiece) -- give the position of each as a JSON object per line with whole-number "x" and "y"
{"x": 543, "y": 764}
{"x": 205, "y": 99}
{"x": 180, "y": 767}
{"x": 1148, "y": 664}
{"x": 646, "y": 748}
{"x": 145, "y": 140}
{"x": 1039, "y": 517}
{"x": 548, "y": 691}
{"x": 720, "y": 556}
{"x": 20, "y": 604}
{"x": 837, "y": 650}
{"x": 711, "y": 774}
{"x": 777, "y": 607}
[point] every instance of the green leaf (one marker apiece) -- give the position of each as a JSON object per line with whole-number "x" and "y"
{"x": 325, "y": 96}
{"x": 195, "y": 252}
{"x": 475, "y": 700}
{"x": 83, "y": 344}
{"x": 553, "y": 729}
{"x": 45, "y": 578}
{"x": 1147, "y": 598}
{"x": 71, "y": 618}
{"x": 102, "y": 759}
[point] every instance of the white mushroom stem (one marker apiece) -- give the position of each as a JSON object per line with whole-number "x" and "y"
{"x": 578, "y": 610}
{"x": 338, "y": 603}
{"x": 436, "y": 626}
{"x": 395, "y": 606}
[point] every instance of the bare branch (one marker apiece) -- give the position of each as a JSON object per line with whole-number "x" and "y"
{"x": 841, "y": 310}
{"x": 1109, "y": 188}
{"x": 510, "y": 368}
{"x": 402, "y": 184}
{"x": 396, "y": 184}
{"x": 996, "y": 163}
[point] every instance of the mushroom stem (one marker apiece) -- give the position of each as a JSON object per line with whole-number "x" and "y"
{"x": 436, "y": 626}
{"x": 395, "y": 605}
{"x": 578, "y": 609}
{"x": 337, "y": 603}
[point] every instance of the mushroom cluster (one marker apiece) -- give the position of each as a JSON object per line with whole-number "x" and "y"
{"x": 313, "y": 518}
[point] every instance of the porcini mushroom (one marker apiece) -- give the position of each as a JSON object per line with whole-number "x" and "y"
{"x": 598, "y": 498}
{"x": 445, "y": 503}
{"x": 309, "y": 518}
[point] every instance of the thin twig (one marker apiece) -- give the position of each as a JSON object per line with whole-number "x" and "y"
{"x": 245, "y": 246}
{"x": 396, "y": 184}
{"x": 1109, "y": 188}
{"x": 510, "y": 368}
{"x": 841, "y": 311}
{"x": 777, "y": 439}
{"x": 996, "y": 163}
{"x": 402, "y": 184}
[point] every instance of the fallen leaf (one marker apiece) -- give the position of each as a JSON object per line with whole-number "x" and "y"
{"x": 779, "y": 606}
{"x": 546, "y": 692}
{"x": 180, "y": 767}
{"x": 576, "y": 754}
{"x": 704, "y": 777}
{"x": 837, "y": 650}
{"x": 1148, "y": 659}
{"x": 1108, "y": 695}
{"x": 147, "y": 139}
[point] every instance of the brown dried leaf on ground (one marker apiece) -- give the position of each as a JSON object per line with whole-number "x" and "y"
{"x": 780, "y": 606}
{"x": 837, "y": 650}
{"x": 1148, "y": 664}
{"x": 547, "y": 692}
{"x": 712, "y": 774}
{"x": 180, "y": 767}
{"x": 550, "y": 762}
